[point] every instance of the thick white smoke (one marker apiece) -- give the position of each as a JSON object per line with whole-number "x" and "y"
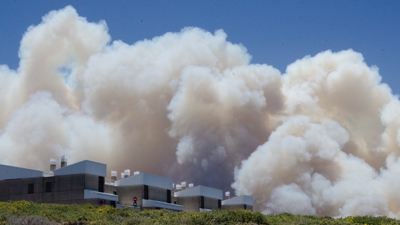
{"x": 321, "y": 139}
{"x": 336, "y": 153}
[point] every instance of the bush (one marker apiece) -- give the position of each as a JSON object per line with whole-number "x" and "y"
{"x": 24, "y": 212}
{"x": 29, "y": 220}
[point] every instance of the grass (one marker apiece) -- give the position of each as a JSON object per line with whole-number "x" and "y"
{"x": 23, "y": 212}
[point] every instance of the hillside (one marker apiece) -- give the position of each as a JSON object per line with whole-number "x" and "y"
{"x": 24, "y": 212}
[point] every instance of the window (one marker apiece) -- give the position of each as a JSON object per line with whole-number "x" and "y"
{"x": 49, "y": 187}
{"x": 30, "y": 188}
{"x": 101, "y": 184}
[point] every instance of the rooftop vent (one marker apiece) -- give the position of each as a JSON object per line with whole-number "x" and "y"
{"x": 183, "y": 185}
{"x": 227, "y": 195}
{"x": 127, "y": 172}
{"x": 63, "y": 161}
{"x": 136, "y": 173}
{"x": 53, "y": 164}
{"x": 113, "y": 176}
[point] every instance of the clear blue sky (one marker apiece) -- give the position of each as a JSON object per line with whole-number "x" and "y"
{"x": 274, "y": 32}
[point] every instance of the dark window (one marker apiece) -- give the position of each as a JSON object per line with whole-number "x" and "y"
{"x": 202, "y": 202}
{"x": 146, "y": 192}
{"x": 49, "y": 187}
{"x": 30, "y": 188}
{"x": 101, "y": 184}
{"x": 168, "y": 196}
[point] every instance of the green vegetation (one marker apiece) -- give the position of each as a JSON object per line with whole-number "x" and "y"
{"x": 24, "y": 212}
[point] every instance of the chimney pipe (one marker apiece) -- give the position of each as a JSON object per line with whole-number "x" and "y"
{"x": 53, "y": 163}
{"x": 113, "y": 176}
{"x": 63, "y": 161}
{"x": 183, "y": 185}
{"x": 227, "y": 195}
{"x": 127, "y": 173}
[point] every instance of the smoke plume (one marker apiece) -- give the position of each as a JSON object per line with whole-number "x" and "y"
{"x": 321, "y": 139}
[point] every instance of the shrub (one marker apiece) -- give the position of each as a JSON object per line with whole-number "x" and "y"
{"x": 24, "y": 212}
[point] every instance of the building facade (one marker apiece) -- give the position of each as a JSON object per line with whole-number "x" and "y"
{"x": 150, "y": 191}
{"x": 239, "y": 202}
{"x": 199, "y": 198}
{"x": 84, "y": 182}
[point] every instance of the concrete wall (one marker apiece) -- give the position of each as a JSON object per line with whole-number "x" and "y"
{"x": 126, "y": 194}
{"x": 233, "y": 207}
{"x": 194, "y": 203}
{"x": 65, "y": 189}
{"x": 158, "y": 194}
{"x": 211, "y": 203}
{"x": 110, "y": 189}
{"x": 92, "y": 182}
{"x": 190, "y": 204}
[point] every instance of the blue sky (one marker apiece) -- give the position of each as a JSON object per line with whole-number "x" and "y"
{"x": 274, "y": 32}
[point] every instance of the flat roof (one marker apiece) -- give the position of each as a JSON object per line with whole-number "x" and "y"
{"x": 158, "y": 204}
{"x": 239, "y": 200}
{"x": 90, "y": 194}
{"x": 146, "y": 179}
{"x": 200, "y": 191}
{"x": 12, "y": 172}
{"x": 83, "y": 167}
